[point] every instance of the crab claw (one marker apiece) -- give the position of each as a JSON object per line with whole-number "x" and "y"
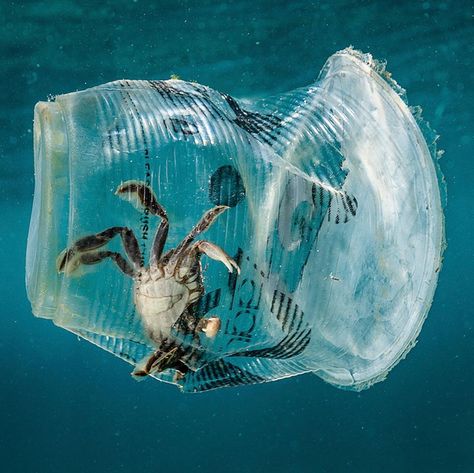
{"x": 210, "y": 326}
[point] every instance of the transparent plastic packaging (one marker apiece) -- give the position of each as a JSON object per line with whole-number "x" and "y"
{"x": 330, "y": 220}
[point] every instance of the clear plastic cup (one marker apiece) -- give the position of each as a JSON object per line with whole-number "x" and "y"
{"x": 334, "y": 219}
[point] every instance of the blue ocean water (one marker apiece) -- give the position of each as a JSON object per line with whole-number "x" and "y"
{"x": 68, "y": 407}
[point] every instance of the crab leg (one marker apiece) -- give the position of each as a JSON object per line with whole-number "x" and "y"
{"x": 206, "y": 221}
{"x": 160, "y": 361}
{"x": 159, "y": 243}
{"x": 142, "y": 197}
{"x": 70, "y": 258}
{"x": 95, "y": 257}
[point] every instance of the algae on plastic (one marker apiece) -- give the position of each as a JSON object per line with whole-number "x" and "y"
{"x": 335, "y": 220}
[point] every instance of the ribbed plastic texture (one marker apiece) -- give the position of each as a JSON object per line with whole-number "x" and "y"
{"x": 335, "y": 220}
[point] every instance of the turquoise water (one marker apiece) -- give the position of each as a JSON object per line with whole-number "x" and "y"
{"x": 67, "y": 406}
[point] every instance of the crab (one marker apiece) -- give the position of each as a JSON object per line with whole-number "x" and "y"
{"x": 165, "y": 291}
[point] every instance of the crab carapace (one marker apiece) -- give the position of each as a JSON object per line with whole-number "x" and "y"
{"x": 165, "y": 290}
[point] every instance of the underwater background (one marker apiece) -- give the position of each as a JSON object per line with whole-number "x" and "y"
{"x": 66, "y": 406}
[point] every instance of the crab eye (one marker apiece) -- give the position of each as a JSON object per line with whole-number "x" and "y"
{"x": 266, "y": 238}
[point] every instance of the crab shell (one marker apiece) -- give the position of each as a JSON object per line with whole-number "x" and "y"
{"x": 163, "y": 294}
